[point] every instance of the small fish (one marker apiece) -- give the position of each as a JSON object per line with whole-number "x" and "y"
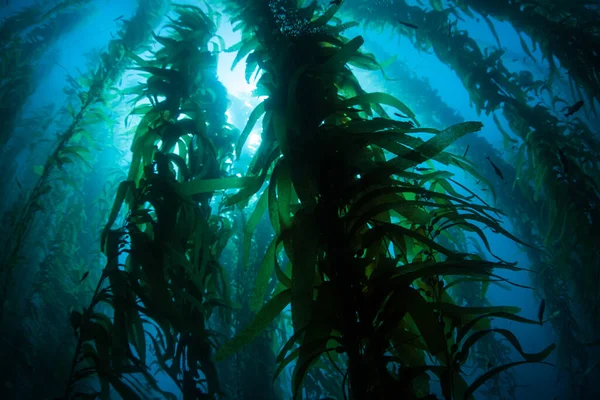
{"x": 489, "y": 365}
{"x": 496, "y": 169}
{"x": 423, "y": 169}
{"x": 409, "y": 25}
{"x": 400, "y": 115}
{"x": 466, "y": 151}
{"x": 335, "y": 2}
{"x": 120, "y": 17}
{"x": 84, "y": 276}
{"x": 574, "y": 108}
{"x": 541, "y": 311}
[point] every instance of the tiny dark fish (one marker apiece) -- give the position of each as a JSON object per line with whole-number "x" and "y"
{"x": 84, "y": 276}
{"x": 466, "y": 151}
{"x": 574, "y": 108}
{"x": 400, "y": 115}
{"x": 423, "y": 169}
{"x": 489, "y": 365}
{"x": 496, "y": 169}
{"x": 541, "y": 311}
{"x": 335, "y": 2}
{"x": 120, "y": 17}
{"x": 477, "y": 183}
{"x": 409, "y": 25}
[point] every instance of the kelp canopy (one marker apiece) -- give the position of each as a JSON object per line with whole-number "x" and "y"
{"x": 336, "y": 244}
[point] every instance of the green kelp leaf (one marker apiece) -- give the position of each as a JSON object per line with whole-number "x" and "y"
{"x": 526, "y": 49}
{"x": 258, "y": 111}
{"x": 196, "y": 186}
{"x": 512, "y": 339}
{"x": 427, "y": 322}
{"x": 495, "y": 225}
{"x": 471, "y": 169}
{"x": 255, "y": 217}
{"x": 305, "y": 236}
{"x": 38, "y": 170}
{"x": 465, "y": 329}
{"x": 125, "y": 391}
{"x": 326, "y": 16}
{"x": 318, "y": 332}
{"x": 286, "y": 361}
{"x": 381, "y": 98}
{"x": 262, "y": 320}
{"x": 263, "y": 276}
{"x": 455, "y": 310}
{"x": 495, "y": 371}
{"x": 397, "y": 233}
{"x": 273, "y": 200}
{"x": 251, "y": 66}
{"x": 464, "y": 267}
{"x": 247, "y": 46}
{"x": 125, "y": 188}
{"x": 137, "y": 335}
{"x": 490, "y": 24}
{"x": 257, "y": 181}
{"x": 436, "y": 144}
{"x": 347, "y": 51}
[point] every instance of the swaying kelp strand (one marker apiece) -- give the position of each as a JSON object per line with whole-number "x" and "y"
{"x": 170, "y": 281}
{"x": 341, "y": 288}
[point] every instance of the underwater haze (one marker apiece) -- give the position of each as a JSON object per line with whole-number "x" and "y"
{"x": 294, "y": 199}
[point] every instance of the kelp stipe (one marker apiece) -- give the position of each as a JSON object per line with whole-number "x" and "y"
{"x": 337, "y": 206}
{"x": 86, "y": 99}
{"x": 162, "y": 279}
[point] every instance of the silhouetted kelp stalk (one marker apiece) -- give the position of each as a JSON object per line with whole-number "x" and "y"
{"x": 162, "y": 280}
{"x": 24, "y": 37}
{"x": 561, "y": 29}
{"x": 338, "y": 208}
{"x": 112, "y": 65}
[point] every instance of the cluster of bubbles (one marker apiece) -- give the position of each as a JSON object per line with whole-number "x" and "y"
{"x": 290, "y": 23}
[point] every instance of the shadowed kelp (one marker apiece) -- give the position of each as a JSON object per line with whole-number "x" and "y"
{"x": 338, "y": 206}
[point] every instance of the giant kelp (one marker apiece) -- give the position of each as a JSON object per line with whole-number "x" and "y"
{"x": 338, "y": 207}
{"x": 542, "y": 135}
{"x": 109, "y": 70}
{"x": 560, "y": 29}
{"x": 24, "y": 37}
{"x": 162, "y": 273}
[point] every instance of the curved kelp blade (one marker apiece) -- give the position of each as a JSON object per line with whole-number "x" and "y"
{"x": 262, "y": 320}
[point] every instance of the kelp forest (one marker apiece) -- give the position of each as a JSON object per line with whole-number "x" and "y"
{"x": 296, "y": 199}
